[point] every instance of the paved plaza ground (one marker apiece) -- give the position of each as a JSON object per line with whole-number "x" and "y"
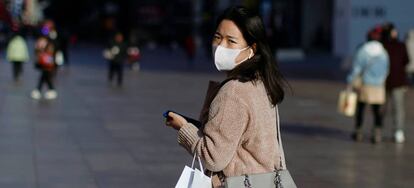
{"x": 96, "y": 135}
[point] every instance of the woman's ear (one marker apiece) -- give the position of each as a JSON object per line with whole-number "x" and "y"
{"x": 254, "y": 47}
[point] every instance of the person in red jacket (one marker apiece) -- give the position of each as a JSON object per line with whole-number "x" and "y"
{"x": 47, "y": 65}
{"x": 397, "y": 80}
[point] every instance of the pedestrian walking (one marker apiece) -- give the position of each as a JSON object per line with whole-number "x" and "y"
{"x": 17, "y": 54}
{"x": 410, "y": 48}
{"x": 116, "y": 54}
{"x": 49, "y": 30}
{"x": 190, "y": 50}
{"x": 45, "y": 63}
{"x": 397, "y": 81}
{"x": 367, "y": 77}
{"x": 237, "y": 136}
{"x": 134, "y": 53}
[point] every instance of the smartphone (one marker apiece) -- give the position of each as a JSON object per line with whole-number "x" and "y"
{"x": 190, "y": 120}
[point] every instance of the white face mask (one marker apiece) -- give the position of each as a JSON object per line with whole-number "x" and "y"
{"x": 225, "y": 58}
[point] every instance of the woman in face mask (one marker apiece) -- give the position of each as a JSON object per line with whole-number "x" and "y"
{"x": 238, "y": 134}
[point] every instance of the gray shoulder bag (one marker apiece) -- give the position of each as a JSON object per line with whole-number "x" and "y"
{"x": 276, "y": 179}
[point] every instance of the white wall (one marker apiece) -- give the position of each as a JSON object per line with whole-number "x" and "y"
{"x": 341, "y": 27}
{"x": 361, "y": 24}
{"x": 400, "y": 12}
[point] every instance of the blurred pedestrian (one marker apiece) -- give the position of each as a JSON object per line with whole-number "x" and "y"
{"x": 367, "y": 76}
{"x": 134, "y": 57}
{"x": 45, "y": 62}
{"x": 116, "y": 54}
{"x": 190, "y": 49}
{"x": 410, "y": 48}
{"x": 239, "y": 135}
{"x": 64, "y": 41}
{"x": 397, "y": 81}
{"x": 134, "y": 53}
{"x": 49, "y": 31}
{"x": 17, "y": 54}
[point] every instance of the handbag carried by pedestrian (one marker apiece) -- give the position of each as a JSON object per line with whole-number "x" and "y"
{"x": 279, "y": 178}
{"x": 347, "y": 103}
{"x": 193, "y": 177}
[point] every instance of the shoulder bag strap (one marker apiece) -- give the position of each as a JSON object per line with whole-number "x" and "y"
{"x": 279, "y": 140}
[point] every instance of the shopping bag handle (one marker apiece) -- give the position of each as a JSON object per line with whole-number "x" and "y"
{"x": 199, "y": 162}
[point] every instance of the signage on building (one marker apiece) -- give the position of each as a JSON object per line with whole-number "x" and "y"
{"x": 369, "y": 12}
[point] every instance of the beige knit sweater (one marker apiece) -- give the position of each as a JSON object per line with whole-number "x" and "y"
{"x": 239, "y": 136}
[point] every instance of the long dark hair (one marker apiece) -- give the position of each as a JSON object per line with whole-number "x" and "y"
{"x": 387, "y": 29}
{"x": 262, "y": 66}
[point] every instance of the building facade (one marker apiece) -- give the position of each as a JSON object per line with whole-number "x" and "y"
{"x": 335, "y": 27}
{"x": 353, "y": 18}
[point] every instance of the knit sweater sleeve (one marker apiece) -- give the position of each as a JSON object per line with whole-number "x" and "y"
{"x": 218, "y": 142}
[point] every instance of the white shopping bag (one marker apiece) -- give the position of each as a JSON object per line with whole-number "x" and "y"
{"x": 200, "y": 180}
{"x": 186, "y": 178}
{"x": 347, "y": 103}
{"x": 193, "y": 177}
{"x": 59, "y": 58}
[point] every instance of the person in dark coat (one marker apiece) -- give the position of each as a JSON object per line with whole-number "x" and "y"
{"x": 397, "y": 81}
{"x": 116, "y": 54}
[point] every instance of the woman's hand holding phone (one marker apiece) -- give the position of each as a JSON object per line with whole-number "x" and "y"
{"x": 174, "y": 120}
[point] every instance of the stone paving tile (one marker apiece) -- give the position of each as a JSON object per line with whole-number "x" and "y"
{"x": 99, "y": 136}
